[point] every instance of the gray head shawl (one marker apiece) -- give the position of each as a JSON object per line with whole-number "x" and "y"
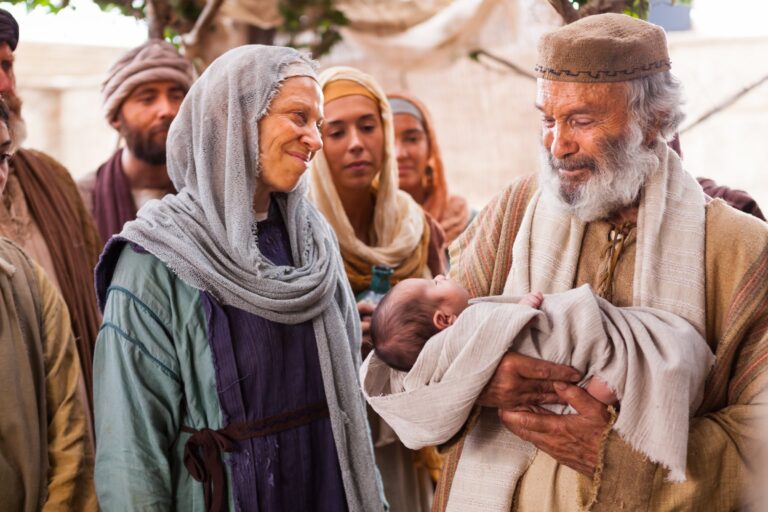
{"x": 204, "y": 235}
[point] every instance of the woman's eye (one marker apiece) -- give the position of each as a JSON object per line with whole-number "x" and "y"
{"x": 301, "y": 117}
{"x": 5, "y": 158}
{"x": 368, "y": 128}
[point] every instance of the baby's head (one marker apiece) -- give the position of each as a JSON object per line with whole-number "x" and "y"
{"x": 410, "y": 314}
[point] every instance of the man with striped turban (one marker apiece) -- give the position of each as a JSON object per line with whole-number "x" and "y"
{"x": 140, "y": 97}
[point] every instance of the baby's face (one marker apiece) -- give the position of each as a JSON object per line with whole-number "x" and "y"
{"x": 450, "y": 295}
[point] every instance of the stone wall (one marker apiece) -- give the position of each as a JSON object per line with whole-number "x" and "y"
{"x": 484, "y": 115}
{"x": 729, "y": 146}
{"x": 59, "y": 85}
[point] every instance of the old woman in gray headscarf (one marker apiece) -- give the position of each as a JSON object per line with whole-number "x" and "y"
{"x": 226, "y": 366}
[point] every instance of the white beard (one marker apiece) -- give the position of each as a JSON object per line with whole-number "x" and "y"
{"x": 618, "y": 174}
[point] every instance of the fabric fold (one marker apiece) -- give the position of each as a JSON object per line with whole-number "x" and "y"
{"x": 671, "y": 279}
{"x": 112, "y": 200}
{"x": 205, "y": 235}
{"x": 622, "y": 346}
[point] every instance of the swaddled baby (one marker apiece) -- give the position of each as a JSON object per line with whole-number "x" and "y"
{"x": 434, "y": 353}
{"x": 417, "y": 309}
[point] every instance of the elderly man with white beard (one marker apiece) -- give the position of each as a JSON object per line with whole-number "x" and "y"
{"x": 612, "y": 207}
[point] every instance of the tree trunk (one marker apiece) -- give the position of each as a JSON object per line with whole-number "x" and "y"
{"x": 565, "y": 9}
{"x": 603, "y": 6}
{"x": 258, "y": 35}
{"x": 569, "y": 13}
{"x": 158, "y": 15}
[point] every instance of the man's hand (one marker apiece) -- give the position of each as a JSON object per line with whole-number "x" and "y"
{"x": 365, "y": 309}
{"x": 521, "y": 380}
{"x": 571, "y": 439}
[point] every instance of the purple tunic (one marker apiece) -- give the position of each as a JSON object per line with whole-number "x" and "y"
{"x": 264, "y": 368}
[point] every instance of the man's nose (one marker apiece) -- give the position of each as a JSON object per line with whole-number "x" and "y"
{"x": 563, "y": 143}
{"x": 167, "y": 107}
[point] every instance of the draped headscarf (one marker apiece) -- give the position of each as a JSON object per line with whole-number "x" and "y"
{"x": 205, "y": 235}
{"x": 400, "y": 233}
{"x": 452, "y": 212}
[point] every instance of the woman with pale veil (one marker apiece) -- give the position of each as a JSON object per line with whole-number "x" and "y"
{"x": 226, "y": 367}
{"x": 354, "y": 184}
{"x": 420, "y": 166}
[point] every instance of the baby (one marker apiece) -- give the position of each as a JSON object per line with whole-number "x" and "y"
{"x": 620, "y": 349}
{"x": 417, "y": 309}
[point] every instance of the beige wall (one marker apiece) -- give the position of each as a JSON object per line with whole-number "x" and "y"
{"x": 484, "y": 116}
{"x": 729, "y": 147}
{"x": 59, "y": 85}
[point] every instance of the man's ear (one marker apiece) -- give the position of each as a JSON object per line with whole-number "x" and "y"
{"x": 442, "y": 320}
{"x": 115, "y": 123}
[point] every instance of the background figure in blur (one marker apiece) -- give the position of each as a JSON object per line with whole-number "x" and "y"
{"x": 42, "y": 212}
{"x": 140, "y": 97}
{"x": 46, "y": 455}
{"x": 739, "y": 199}
{"x": 354, "y": 184}
{"x": 420, "y": 167}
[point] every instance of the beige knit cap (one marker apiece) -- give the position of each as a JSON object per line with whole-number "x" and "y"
{"x": 603, "y": 48}
{"x": 156, "y": 60}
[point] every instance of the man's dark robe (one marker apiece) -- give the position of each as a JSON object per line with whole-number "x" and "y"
{"x": 73, "y": 242}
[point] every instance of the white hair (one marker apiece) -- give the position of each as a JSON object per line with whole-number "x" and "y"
{"x": 655, "y": 101}
{"x": 618, "y": 174}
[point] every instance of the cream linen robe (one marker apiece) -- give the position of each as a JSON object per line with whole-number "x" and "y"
{"x": 723, "y": 438}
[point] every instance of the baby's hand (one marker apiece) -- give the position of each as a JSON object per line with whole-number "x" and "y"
{"x": 533, "y": 300}
{"x": 602, "y": 391}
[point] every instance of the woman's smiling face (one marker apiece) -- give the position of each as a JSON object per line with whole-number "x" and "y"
{"x": 289, "y": 135}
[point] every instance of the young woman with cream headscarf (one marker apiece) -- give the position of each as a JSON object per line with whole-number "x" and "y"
{"x": 421, "y": 168}
{"x": 229, "y": 324}
{"x": 354, "y": 184}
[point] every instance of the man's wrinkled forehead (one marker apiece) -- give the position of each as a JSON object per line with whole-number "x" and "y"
{"x": 594, "y": 96}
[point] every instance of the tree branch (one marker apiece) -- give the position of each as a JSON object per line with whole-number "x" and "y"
{"x": 602, "y": 6}
{"x": 192, "y": 38}
{"x": 475, "y": 55}
{"x": 725, "y": 103}
{"x": 157, "y": 18}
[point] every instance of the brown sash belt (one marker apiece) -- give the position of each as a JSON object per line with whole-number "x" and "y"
{"x": 209, "y": 468}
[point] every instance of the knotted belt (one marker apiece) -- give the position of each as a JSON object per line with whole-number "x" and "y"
{"x": 202, "y": 451}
